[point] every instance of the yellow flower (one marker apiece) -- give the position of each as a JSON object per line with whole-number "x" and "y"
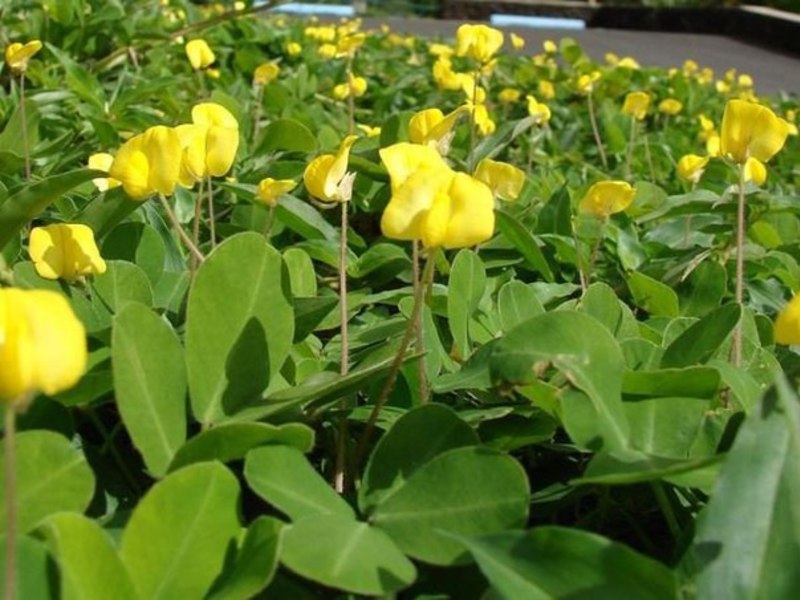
{"x": 321, "y": 33}
{"x": 269, "y": 190}
{"x": 327, "y": 51}
{"x": 148, "y": 163}
{"x": 691, "y": 167}
{"x": 611, "y": 59}
{"x": 440, "y": 50}
{"x": 755, "y": 171}
{"x": 606, "y": 198}
{"x": 265, "y": 73}
{"x": 670, "y": 106}
{"x": 707, "y": 128}
{"x": 433, "y": 128}
{"x": 585, "y": 83}
{"x": 293, "y": 48}
{"x": 751, "y": 130}
{"x": 546, "y": 89}
{"x": 102, "y": 162}
{"x": 200, "y": 55}
{"x": 509, "y": 95}
{"x": 432, "y": 203}
{"x": 213, "y": 73}
{"x": 478, "y": 42}
{"x": 517, "y": 42}
{"x": 482, "y": 119}
{"x": 712, "y": 145}
{"x": 723, "y": 87}
{"x": 42, "y": 343}
{"x": 690, "y": 66}
{"x": 538, "y": 110}
{"x": 628, "y": 63}
{"x": 326, "y": 177}
{"x": 347, "y": 45}
{"x": 745, "y": 81}
{"x": 369, "y": 131}
{"x": 357, "y": 88}
{"x": 549, "y": 47}
{"x": 706, "y": 76}
{"x": 447, "y": 79}
{"x": 63, "y": 251}
{"x": 787, "y": 324}
{"x": 209, "y": 143}
{"x": 504, "y": 180}
{"x": 18, "y": 55}
{"x": 636, "y": 104}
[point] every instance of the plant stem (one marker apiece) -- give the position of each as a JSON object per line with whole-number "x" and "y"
{"x": 24, "y": 115}
{"x": 10, "y": 588}
{"x": 631, "y": 143}
{"x": 270, "y": 222}
{"x": 596, "y": 132}
{"x": 666, "y": 508}
{"x": 472, "y": 125}
{"x": 595, "y": 252}
{"x": 351, "y": 101}
{"x": 579, "y": 260}
{"x": 419, "y": 341}
{"x": 179, "y": 230}
{"x": 201, "y": 78}
{"x": 198, "y": 213}
{"x": 257, "y": 113}
{"x": 740, "y": 225}
{"x": 344, "y": 364}
{"x": 394, "y": 369}
{"x": 649, "y": 159}
{"x": 212, "y": 225}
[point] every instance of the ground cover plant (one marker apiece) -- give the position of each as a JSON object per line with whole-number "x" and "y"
{"x": 296, "y": 309}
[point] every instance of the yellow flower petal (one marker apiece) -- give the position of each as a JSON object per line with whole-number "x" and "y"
{"x": 606, "y": 198}
{"x": 404, "y": 218}
{"x": 42, "y": 343}
{"x": 691, "y": 167}
{"x": 479, "y": 42}
{"x": 18, "y": 55}
{"x": 199, "y": 54}
{"x": 471, "y": 213}
{"x": 504, "y": 180}
{"x": 65, "y": 251}
{"x": 265, "y": 73}
{"x": 403, "y": 159}
{"x": 749, "y": 129}
{"x": 755, "y": 171}
{"x": 102, "y": 162}
{"x": 670, "y": 106}
{"x": 325, "y": 174}
{"x": 636, "y": 104}
{"x": 269, "y": 190}
{"x": 787, "y": 324}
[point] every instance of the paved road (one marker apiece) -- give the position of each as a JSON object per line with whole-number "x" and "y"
{"x": 771, "y": 71}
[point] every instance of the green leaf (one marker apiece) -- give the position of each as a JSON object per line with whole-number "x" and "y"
{"x": 287, "y": 135}
{"x": 517, "y": 302}
{"x": 150, "y": 384}
{"x": 80, "y": 81}
{"x": 558, "y": 562}
{"x": 13, "y": 131}
{"x": 666, "y": 426}
{"x": 89, "y": 565}
{"x": 658, "y": 299}
{"x": 255, "y": 563}
{"x": 282, "y": 476}
{"x": 237, "y": 340}
{"x": 601, "y": 302}
{"x": 339, "y": 552}
{"x": 175, "y": 542}
{"x": 310, "y": 312}
{"x": 137, "y": 243}
{"x": 302, "y": 276}
{"x": 27, "y": 203}
{"x": 52, "y": 476}
{"x": 464, "y": 292}
{"x": 232, "y": 441}
{"x": 524, "y": 241}
{"x": 694, "y": 382}
{"x": 122, "y": 284}
{"x": 701, "y": 340}
{"x": 748, "y": 536}
{"x": 637, "y": 467}
{"x": 36, "y": 573}
{"x": 303, "y": 218}
{"x": 107, "y": 210}
{"x": 413, "y": 441}
{"x": 584, "y": 350}
{"x": 468, "y": 491}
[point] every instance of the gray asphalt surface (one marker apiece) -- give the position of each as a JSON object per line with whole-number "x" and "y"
{"x": 772, "y": 71}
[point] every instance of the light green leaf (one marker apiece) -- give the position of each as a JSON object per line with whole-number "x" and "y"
{"x": 658, "y": 299}
{"x": 464, "y": 292}
{"x": 150, "y": 384}
{"x": 52, "y": 476}
{"x": 121, "y": 284}
{"x": 88, "y": 563}
{"x": 176, "y": 540}
{"x": 524, "y": 241}
{"x": 414, "y": 440}
{"x": 339, "y": 552}
{"x": 516, "y": 302}
{"x": 237, "y": 340}
{"x": 701, "y": 340}
{"x": 468, "y": 491}
{"x": 282, "y": 476}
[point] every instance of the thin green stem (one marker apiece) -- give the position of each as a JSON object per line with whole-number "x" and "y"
{"x": 212, "y": 219}
{"x": 24, "y": 115}
{"x": 394, "y": 369}
{"x": 740, "y": 228}
{"x": 649, "y": 158}
{"x": 257, "y": 113}
{"x": 10, "y": 423}
{"x": 419, "y": 341}
{"x": 179, "y": 230}
{"x": 344, "y": 364}
{"x": 666, "y": 508}
{"x": 596, "y": 132}
{"x": 473, "y": 127}
{"x": 198, "y": 215}
{"x": 351, "y": 101}
{"x": 631, "y": 144}
{"x": 579, "y": 260}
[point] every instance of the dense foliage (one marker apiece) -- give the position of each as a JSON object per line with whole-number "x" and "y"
{"x": 583, "y": 425}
